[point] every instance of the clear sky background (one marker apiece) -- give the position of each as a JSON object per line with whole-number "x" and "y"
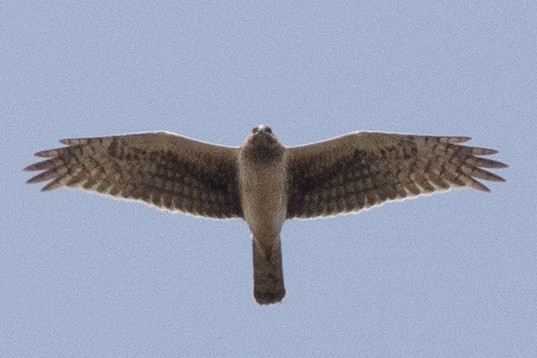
{"x": 451, "y": 275}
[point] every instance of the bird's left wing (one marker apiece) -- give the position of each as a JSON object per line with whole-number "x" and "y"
{"x": 161, "y": 168}
{"x": 362, "y": 169}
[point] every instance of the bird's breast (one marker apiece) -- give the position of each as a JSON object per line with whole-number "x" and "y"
{"x": 264, "y": 195}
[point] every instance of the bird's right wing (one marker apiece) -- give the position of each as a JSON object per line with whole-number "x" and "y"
{"x": 362, "y": 169}
{"x": 161, "y": 168}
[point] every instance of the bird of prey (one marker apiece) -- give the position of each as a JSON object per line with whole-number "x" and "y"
{"x": 264, "y": 182}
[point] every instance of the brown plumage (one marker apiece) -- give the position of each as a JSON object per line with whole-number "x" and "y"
{"x": 264, "y": 182}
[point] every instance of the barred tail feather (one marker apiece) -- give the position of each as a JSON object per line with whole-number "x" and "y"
{"x": 268, "y": 273}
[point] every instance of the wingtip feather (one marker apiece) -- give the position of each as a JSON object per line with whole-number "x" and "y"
{"x": 66, "y": 141}
{"x": 49, "y": 153}
{"x": 495, "y": 177}
{"x": 73, "y": 141}
{"x": 455, "y": 140}
{"x": 484, "y": 151}
{"x": 29, "y": 168}
{"x": 37, "y": 166}
{"x": 57, "y": 183}
{"x": 480, "y": 186}
{"x": 38, "y": 178}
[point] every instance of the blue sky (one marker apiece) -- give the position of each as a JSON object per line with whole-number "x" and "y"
{"x": 446, "y": 275}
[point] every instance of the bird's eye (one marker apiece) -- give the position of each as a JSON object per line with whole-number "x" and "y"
{"x": 268, "y": 130}
{"x": 254, "y": 130}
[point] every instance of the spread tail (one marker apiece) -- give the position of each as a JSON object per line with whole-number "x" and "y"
{"x": 268, "y": 273}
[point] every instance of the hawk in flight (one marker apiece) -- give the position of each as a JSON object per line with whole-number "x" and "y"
{"x": 264, "y": 182}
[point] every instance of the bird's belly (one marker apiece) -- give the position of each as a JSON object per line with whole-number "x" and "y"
{"x": 264, "y": 200}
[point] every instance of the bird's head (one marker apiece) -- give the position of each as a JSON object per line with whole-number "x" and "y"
{"x": 263, "y": 134}
{"x": 262, "y": 144}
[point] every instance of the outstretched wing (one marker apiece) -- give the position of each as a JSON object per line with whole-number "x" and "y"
{"x": 363, "y": 169}
{"x": 162, "y": 169}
